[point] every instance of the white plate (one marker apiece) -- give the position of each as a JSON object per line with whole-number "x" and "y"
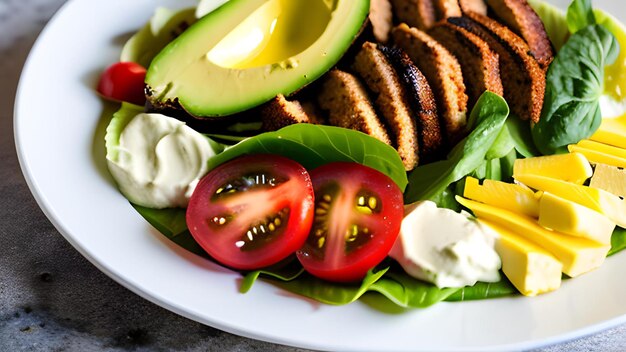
{"x": 58, "y": 127}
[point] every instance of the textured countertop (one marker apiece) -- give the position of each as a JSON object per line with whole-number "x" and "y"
{"x": 51, "y": 298}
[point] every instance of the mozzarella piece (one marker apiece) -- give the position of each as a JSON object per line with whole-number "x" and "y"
{"x": 445, "y": 248}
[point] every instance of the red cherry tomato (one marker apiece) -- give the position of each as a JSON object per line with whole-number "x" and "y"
{"x": 123, "y": 81}
{"x": 253, "y": 211}
{"x": 358, "y": 213}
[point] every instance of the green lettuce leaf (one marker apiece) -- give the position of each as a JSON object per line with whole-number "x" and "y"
{"x": 120, "y": 119}
{"x": 408, "y": 292}
{"x": 484, "y": 290}
{"x": 618, "y": 241}
{"x": 428, "y": 181}
{"x": 316, "y": 145}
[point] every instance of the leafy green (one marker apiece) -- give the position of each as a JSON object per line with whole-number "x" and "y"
{"x": 521, "y": 137}
{"x": 446, "y": 199}
{"x": 618, "y": 241}
{"x": 280, "y": 272}
{"x": 315, "y": 145}
{"x": 428, "y": 181}
{"x": 579, "y": 15}
{"x": 506, "y": 166}
{"x": 574, "y": 83}
{"x": 171, "y": 223}
{"x": 328, "y": 292}
{"x": 484, "y": 290}
{"x": 120, "y": 119}
{"x": 408, "y": 292}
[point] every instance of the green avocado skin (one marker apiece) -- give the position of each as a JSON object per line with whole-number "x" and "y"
{"x": 181, "y": 74}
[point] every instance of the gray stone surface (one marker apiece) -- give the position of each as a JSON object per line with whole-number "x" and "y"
{"x": 52, "y": 299}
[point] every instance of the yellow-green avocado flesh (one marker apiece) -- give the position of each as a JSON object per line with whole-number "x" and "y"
{"x": 248, "y": 51}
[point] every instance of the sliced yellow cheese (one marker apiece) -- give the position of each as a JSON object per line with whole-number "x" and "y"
{"x": 578, "y": 255}
{"x": 572, "y": 167}
{"x": 598, "y": 157}
{"x": 530, "y": 268}
{"x": 565, "y": 216}
{"x": 610, "y": 179}
{"x": 602, "y": 148}
{"x": 590, "y": 197}
{"x": 612, "y": 132}
{"x": 513, "y": 197}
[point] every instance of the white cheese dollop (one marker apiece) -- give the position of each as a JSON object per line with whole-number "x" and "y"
{"x": 445, "y": 248}
{"x": 159, "y": 161}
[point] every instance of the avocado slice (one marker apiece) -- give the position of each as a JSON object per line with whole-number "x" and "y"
{"x": 248, "y": 51}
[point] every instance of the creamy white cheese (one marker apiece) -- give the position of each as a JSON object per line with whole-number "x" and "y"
{"x": 611, "y": 108}
{"x": 159, "y": 161}
{"x": 445, "y": 247}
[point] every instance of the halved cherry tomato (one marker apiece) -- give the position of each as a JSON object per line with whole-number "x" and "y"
{"x": 253, "y": 211}
{"x": 358, "y": 213}
{"x": 123, "y": 81}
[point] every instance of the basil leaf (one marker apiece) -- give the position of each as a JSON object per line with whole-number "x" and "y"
{"x": 428, "y": 181}
{"x": 408, "y": 292}
{"x": 315, "y": 145}
{"x": 484, "y": 290}
{"x": 574, "y": 83}
{"x": 579, "y": 15}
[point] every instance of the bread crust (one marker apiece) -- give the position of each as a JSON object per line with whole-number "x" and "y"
{"x": 443, "y": 73}
{"x": 481, "y": 65}
{"x": 520, "y": 17}
{"x": 416, "y": 13}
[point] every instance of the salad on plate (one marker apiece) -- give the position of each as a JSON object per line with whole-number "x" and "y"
{"x": 462, "y": 150}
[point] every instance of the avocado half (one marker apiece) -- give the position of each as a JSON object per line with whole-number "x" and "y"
{"x": 248, "y": 51}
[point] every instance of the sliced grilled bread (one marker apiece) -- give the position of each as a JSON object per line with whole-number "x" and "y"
{"x": 389, "y": 97}
{"x": 476, "y": 6}
{"x": 280, "y": 112}
{"x": 525, "y": 81}
{"x": 420, "y": 98}
{"x": 524, "y": 21}
{"x": 481, "y": 66}
{"x": 447, "y": 8}
{"x": 381, "y": 19}
{"x": 416, "y": 13}
{"x": 443, "y": 73}
{"x": 348, "y": 105}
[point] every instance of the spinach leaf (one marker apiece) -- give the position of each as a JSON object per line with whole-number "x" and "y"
{"x": 446, "y": 199}
{"x": 328, "y": 292}
{"x": 171, "y": 223}
{"x": 428, "y": 181}
{"x": 405, "y": 291}
{"x": 618, "y": 241}
{"x": 521, "y": 136}
{"x": 579, "y": 15}
{"x": 484, "y": 290}
{"x": 280, "y": 272}
{"x": 506, "y": 166}
{"x": 315, "y": 145}
{"x": 574, "y": 83}
{"x": 502, "y": 145}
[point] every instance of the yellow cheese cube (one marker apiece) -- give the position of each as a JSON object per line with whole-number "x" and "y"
{"x": 612, "y": 132}
{"x": 530, "y": 268}
{"x": 578, "y": 255}
{"x": 573, "y": 167}
{"x": 516, "y": 198}
{"x": 565, "y": 216}
{"x": 610, "y": 179}
{"x": 598, "y": 157}
{"x": 590, "y": 197}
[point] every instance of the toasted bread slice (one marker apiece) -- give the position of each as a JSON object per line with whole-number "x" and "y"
{"x": 280, "y": 112}
{"x": 416, "y": 13}
{"x": 443, "y": 73}
{"x": 525, "y": 81}
{"x": 447, "y": 8}
{"x": 524, "y": 21}
{"x": 381, "y": 18}
{"x": 476, "y": 6}
{"x": 381, "y": 78}
{"x": 481, "y": 65}
{"x": 421, "y": 101}
{"x": 346, "y": 100}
